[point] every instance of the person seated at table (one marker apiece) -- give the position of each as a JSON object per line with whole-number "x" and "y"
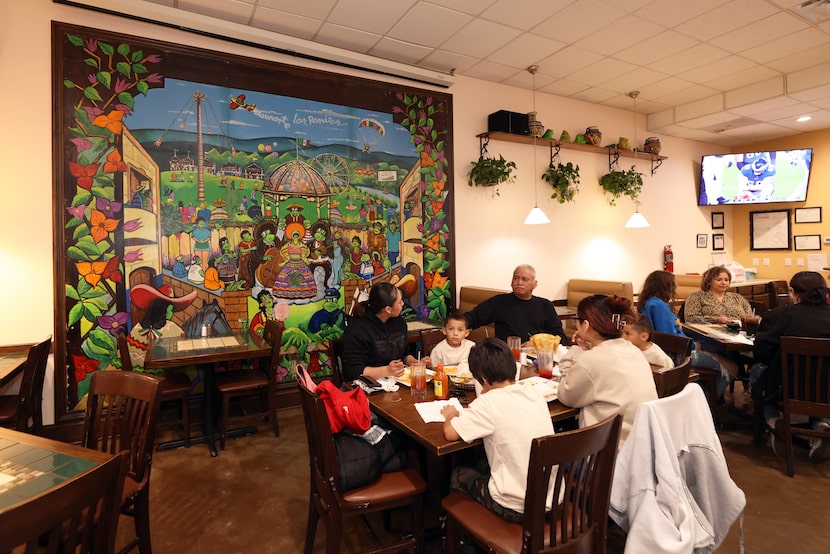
{"x": 713, "y": 303}
{"x": 376, "y": 344}
{"x": 455, "y": 348}
{"x": 603, "y": 373}
{"x": 519, "y": 313}
{"x": 807, "y": 316}
{"x": 638, "y": 333}
{"x": 655, "y": 300}
{"x": 499, "y": 480}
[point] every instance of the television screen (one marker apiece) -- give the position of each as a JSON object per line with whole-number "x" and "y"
{"x": 755, "y": 177}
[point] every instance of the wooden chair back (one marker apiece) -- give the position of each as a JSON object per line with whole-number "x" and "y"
{"x": 677, "y": 347}
{"x": 430, "y": 338}
{"x": 30, "y": 395}
{"x": 121, "y": 414}
{"x": 581, "y": 463}
{"x": 672, "y": 380}
{"x": 805, "y": 386}
{"x": 477, "y": 335}
{"x": 80, "y": 515}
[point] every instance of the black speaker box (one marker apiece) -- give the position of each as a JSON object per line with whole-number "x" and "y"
{"x": 508, "y": 122}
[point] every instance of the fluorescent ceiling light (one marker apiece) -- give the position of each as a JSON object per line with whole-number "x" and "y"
{"x": 260, "y": 38}
{"x": 804, "y": 118}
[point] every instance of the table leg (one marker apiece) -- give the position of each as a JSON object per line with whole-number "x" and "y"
{"x": 209, "y": 434}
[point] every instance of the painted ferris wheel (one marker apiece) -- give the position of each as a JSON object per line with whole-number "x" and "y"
{"x": 333, "y": 169}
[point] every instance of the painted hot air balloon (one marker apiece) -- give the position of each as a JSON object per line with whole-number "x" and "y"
{"x": 371, "y": 131}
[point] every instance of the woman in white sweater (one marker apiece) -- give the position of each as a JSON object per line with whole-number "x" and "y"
{"x": 603, "y": 373}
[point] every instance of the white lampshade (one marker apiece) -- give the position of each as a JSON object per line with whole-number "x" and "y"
{"x": 536, "y": 217}
{"x": 637, "y": 221}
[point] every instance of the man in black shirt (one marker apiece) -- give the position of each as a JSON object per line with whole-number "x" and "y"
{"x": 519, "y": 313}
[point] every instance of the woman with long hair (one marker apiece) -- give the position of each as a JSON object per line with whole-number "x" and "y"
{"x": 603, "y": 373}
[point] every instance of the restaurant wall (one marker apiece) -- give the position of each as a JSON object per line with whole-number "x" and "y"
{"x": 586, "y": 239}
{"x": 818, "y": 194}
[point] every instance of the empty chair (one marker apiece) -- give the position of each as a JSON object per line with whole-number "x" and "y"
{"x": 121, "y": 414}
{"x": 175, "y": 386}
{"x": 676, "y": 346}
{"x": 24, "y": 411}
{"x": 805, "y": 387}
{"x": 672, "y": 380}
{"x": 582, "y": 463}
{"x": 327, "y": 502}
{"x": 78, "y": 515}
{"x": 259, "y": 382}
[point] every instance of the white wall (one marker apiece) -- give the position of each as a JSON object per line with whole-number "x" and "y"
{"x": 586, "y": 239}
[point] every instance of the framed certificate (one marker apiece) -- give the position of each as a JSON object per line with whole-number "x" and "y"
{"x": 702, "y": 240}
{"x": 807, "y": 242}
{"x": 717, "y": 241}
{"x": 717, "y": 220}
{"x": 808, "y": 215}
{"x": 770, "y": 230}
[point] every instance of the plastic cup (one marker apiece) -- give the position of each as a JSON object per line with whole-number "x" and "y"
{"x": 418, "y": 380}
{"x": 750, "y": 324}
{"x": 544, "y": 361}
{"x": 515, "y": 345}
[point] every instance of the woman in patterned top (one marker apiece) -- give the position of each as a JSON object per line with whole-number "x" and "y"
{"x": 713, "y": 303}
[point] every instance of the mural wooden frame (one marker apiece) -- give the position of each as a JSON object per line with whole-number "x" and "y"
{"x": 106, "y": 172}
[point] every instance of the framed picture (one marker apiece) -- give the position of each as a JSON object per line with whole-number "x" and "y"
{"x": 770, "y": 230}
{"x": 717, "y": 241}
{"x": 717, "y": 220}
{"x": 807, "y": 242}
{"x": 702, "y": 240}
{"x": 808, "y": 215}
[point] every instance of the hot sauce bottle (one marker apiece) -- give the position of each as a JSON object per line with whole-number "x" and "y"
{"x": 441, "y": 383}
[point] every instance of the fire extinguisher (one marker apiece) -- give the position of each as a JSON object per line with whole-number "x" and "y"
{"x": 668, "y": 259}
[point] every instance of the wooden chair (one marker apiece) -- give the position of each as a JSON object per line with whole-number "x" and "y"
{"x": 121, "y": 414}
{"x": 479, "y": 334}
{"x": 583, "y": 464}
{"x": 78, "y": 515}
{"x": 672, "y": 380}
{"x": 430, "y": 338}
{"x": 245, "y": 384}
{"x": 805, "y": 387}
{"x": 24, "y": 411}
{"x": 677, "y": 347}
{"x": 175, "y": 386}
{"x": 327, "y": 502}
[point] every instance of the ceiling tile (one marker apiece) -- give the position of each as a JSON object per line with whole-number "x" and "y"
{"x": 471, "y": 7}
{"x": 429, "y": 25}
{"x": 399, "y": 50}
{"x": 794, "y": 44}
{"x": 448, "y": 61}
{"x": 742, "y": 78}
{"x": 810, "y": 94}
{"x": 776, "y": 106}
{"x": 568, "y": 60}
{"x": 595, "y": 95}
{"x": 674, "y": 12}
{"x": 601, "y": 71}
{"x": 659, "y": 89}
{"x": 808, "y": 78}
{"x": 238, "y": 12}
{"x": 374, "y": 16}
{"x": 620, "y": 35}
{"x": 345, "y": 37}
{"x": 466, "y": 40}
{"x": 760, "y": 32}
{"x": 688, "y": 94}
{"x": 757, "y": 92}
{"x": 716, "y": 69}
{"x": 699, "y": 108}
{"x": 522, "y": 14}
{"x": 724, "y": 18}
{"x": 635, "y": 79}
{"x": 525, "y": 50}
{"x": 578, "y": 20}
{"x": 563, "y": 87}
{"x": 490, "y": 71}
{"x": 318, "y": 9}
{"x": 285, "y": 23}
{"x": 690, "y": 58}
{"x": 657, "y": 47}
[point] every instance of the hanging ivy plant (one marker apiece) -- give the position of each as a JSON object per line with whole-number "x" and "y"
{"x": 619, "y": 183}
{"x": 490, "y": 172}
{"x": 564, "y": 178}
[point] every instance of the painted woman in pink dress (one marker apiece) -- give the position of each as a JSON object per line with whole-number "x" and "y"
{"x": 295, "y": 281}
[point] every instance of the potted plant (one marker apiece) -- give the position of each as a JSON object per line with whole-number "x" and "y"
{"x": 564, "y": 178}
{"x": 489, "y": 172}
{"x": 622, "y": 183}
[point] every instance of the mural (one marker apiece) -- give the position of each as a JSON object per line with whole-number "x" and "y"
{"x": 194, "y": 187}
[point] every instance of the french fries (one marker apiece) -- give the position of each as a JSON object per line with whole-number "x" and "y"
{"x": 545, "y": 341}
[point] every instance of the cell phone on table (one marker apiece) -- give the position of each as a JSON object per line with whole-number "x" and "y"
{"x": 460, "y": 395}
{"x": 369, "y": 380}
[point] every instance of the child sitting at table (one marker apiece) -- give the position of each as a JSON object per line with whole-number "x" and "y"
{"x": 455, "y": 348}
{"x": 638, "y": 333}
{"x": 506, "y": 416}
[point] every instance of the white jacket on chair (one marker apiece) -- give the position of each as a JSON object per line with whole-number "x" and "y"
{"x": 672, "y": 491}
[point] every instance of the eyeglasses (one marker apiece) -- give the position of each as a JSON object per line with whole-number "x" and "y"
{"x": 580, "y": 319}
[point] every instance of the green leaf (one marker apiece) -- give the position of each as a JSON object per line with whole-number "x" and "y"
{"x": 142, "y": 87}
{"x": 92, "y": 94}
{"x": 124, "y": 49}
{"x": 75, "y": 314}
{"x": 71, "y": 292}
{"x": 100, "y": 342}
{"x": 68, "y": 83}
{"x": 106, "y": 48}
{"x": 104, "y": 77}
{"x": 82, "y": 197}
{"x": 140, "y": 68}
{"x": 127, "y": 99}
{"x": 137, "y": 55}
{"x": 91, "y": 62}
{"x": 80, "y": 232}
{"x": 83, "y": 288}
{"x": 74, "y": 40}
{"x": 123, "y": 68}
{"x": 75, "y": 253}
{"x": 87, "y": 245}
{"x": 91, "y": 312}
{"x": 96, "y": 292}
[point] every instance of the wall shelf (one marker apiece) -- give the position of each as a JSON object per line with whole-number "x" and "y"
{"x": 613, "y": 153}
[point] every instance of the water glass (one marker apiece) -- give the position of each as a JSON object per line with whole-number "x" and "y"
{"x": 418, "y": 380}
{"x": 515, "y": 345}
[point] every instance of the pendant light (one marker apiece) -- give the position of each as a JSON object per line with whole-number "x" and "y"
{"x": 637, "y": 220}
{"x": 536, "y": 215}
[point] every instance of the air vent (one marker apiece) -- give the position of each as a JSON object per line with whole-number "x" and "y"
{"x": 814, "y": 11}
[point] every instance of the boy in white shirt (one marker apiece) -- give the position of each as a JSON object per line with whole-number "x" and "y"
{"x": 507, "y": 417}
{"x": 638, "y": 333}
{"x": 455, "y": 348}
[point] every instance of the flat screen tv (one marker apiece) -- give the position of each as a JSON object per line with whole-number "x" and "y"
{"x": 755, "y": 177}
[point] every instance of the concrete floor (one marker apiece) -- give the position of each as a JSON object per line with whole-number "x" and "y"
{"x": 253, "y": 498}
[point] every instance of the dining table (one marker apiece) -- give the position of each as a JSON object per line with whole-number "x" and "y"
{"x": 205, "y": 353}
{"x": 11, "y": 364}
{"x": 718, "y": 338}
{"x": 31, "y": 465}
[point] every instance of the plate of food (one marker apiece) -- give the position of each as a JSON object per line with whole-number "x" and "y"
{"x": 460, "y": 376}
{"x": 405, "y": 379}
{"x": 548, "y": 388}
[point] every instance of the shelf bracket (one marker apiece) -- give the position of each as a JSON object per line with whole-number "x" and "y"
{"x": 482, "y": 145}
{"x": 656, "y": 162}
{"x": 613, "y": 159}
{"x": 554, "y": 153}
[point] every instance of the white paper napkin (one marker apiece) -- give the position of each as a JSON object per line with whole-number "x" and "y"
{"x": 431, "y": 411}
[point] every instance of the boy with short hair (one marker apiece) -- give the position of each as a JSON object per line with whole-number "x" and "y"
{"x": 455, "y": 348}
{"x": 638, "y": 333}
{"x": 507, "y": 417}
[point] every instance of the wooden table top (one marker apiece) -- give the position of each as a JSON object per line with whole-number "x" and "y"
{"x": 718, "y": 338}
{"x": 10, "y": 365}
{"x": 176, "y": 352}
{"x": 399, "y": 409}
{"x": 30, "y": 465}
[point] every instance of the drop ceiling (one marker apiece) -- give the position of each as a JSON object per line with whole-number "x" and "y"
{"x": 730, "y": 73}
